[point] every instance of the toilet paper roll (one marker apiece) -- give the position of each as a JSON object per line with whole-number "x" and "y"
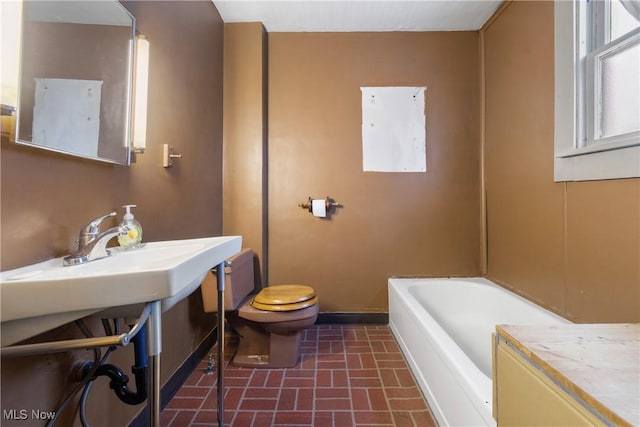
{"x": 319, "y": 208}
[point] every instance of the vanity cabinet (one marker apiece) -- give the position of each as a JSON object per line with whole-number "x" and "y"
{"x": 527, "y": 396}
{"x": 571, "y": 375}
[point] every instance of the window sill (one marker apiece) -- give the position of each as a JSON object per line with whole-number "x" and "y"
{"x": 604, "y": 144}
{"x": 591, "y": 166}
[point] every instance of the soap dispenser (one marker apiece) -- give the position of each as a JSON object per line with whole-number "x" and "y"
{"x": 130, "y": 230}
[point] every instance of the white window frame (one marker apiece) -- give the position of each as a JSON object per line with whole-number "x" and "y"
{"x": 577, "y": 157}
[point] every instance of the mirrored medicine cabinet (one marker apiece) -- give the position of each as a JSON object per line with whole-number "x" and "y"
{"x": 74, "y": 74}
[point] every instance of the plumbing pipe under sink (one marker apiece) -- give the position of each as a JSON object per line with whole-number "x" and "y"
{"x": 119, "y": 379}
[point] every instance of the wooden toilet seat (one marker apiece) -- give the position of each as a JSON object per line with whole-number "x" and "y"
{"x": 285, "y": 298}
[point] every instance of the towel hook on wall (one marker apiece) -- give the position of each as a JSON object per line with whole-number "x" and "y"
{"x": 168, "y": 155}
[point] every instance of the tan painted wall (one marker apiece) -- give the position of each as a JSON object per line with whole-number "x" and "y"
{"x": 46, "y": 197}
{"x": 391, "y": 223}
{"x": 245, "y": 142}
{"x": 574, "y": 247}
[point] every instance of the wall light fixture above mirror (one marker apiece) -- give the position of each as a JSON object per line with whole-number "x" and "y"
{"x": 75, "y": 78}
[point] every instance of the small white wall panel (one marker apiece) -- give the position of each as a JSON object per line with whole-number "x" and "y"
{"x": 393, "y": 129}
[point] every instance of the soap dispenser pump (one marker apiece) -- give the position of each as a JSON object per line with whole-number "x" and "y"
{"x": 130, "y": 230}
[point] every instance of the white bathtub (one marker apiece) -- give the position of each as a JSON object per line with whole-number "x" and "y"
{"x": 444, "y": 327}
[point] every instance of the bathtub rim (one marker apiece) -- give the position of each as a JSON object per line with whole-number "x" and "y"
{"x": 501, "y": 285}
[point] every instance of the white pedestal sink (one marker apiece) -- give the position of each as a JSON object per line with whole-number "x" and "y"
{"x": 42, "y": 296}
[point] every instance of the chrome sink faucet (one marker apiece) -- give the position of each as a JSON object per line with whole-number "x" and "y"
{"x": 92, "y": 244}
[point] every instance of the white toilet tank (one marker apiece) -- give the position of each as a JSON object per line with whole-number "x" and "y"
{"x": 239, "y": 282}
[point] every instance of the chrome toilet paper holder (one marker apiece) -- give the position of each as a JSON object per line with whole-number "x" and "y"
{"x": 329, "y": 203}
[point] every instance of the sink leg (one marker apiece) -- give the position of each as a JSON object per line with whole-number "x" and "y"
{"x": 220, "y": 273}
{"x": 154, "y": 347}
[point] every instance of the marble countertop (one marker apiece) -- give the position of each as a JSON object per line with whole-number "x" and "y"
{"x": 600, "y": 363}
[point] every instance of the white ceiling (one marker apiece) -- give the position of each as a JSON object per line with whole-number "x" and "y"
{"x": 360, "y": 15}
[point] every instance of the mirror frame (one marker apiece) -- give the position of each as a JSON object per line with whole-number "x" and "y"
{"x": 127, "y": 104}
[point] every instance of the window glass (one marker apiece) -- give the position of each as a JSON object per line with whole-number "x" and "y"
{"x": 621, "y": 20}
{"x": 611, "y": 85}
{"x": 620, "y": 85}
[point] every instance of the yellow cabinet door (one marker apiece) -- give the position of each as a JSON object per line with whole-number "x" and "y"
{"x": 527, "y": 397}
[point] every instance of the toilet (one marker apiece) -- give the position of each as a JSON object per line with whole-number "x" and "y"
{"x": 269, "y": 321}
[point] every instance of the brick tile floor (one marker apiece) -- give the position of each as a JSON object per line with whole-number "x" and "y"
{"x": 347, "y": 376}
